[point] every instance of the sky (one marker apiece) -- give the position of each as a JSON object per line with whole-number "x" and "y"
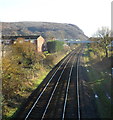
{"x": 88, "y": 15}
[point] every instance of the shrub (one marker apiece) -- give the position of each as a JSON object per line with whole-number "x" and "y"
{"x": 54, "y": 46}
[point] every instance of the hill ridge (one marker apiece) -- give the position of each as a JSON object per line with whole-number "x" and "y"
{"x": 46, "y": 29}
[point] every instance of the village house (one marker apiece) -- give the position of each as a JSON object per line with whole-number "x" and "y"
{"x": 38, "y": 41}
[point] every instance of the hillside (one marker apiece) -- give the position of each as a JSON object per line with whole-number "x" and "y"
{"x": 46, "y": 29}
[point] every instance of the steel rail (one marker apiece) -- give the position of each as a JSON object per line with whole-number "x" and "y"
{"x": 45, "y": 87}
{"x": 54, "y": 90}
{"x": 78, "y": 94}
{"x": 67, "y": 90}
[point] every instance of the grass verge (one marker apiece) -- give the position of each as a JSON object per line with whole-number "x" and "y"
{"x": 100, "y": 82}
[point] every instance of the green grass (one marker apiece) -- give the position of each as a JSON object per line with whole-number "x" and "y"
{"x": 42, "y": 75}
{"x": 100, "y": 83}
{"x": 11, "y": 112}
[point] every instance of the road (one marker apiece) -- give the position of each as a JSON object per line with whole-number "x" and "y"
{"x": 62, "y": 94}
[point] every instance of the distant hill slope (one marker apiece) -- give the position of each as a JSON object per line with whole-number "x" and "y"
{"x": 46, "y": 29}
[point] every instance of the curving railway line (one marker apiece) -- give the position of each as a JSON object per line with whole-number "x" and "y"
{"x": 58, "y": 95}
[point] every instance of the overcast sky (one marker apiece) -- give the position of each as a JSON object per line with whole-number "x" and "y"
{"x": 89, "y": 15}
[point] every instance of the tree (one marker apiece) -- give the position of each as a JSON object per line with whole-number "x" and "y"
{"x": 104, "y": 38}
{"x": 54, "y": 46}
{"x": 18, "y": 67}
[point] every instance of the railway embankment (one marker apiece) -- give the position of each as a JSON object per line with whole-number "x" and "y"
{"x": 98, "y": 80}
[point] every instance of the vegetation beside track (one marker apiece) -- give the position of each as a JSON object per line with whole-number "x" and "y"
{"x": 98, "y": 69}
{"x": 23, "y": 70}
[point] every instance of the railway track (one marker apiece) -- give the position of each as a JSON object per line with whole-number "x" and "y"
{"x": 59, "y": 97}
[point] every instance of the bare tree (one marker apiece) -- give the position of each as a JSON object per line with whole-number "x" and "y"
{"x": 104, "y": 35}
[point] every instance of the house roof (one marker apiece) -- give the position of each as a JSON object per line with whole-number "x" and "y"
{"x": 26, "y": 37}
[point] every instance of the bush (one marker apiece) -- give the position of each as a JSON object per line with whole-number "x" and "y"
{"x": 19, "y": 66}
{"x": 54, "y": 46}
